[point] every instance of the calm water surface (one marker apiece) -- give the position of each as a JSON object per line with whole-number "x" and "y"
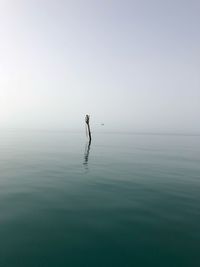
{"x": 125, "y": 200}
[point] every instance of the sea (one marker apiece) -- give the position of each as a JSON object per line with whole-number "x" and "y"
{"x": 125, "y": 199}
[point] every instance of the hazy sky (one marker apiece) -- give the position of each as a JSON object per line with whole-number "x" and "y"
{"x": 133, "y": 65}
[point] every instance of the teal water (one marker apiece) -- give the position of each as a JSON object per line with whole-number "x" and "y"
{"x": 127, "y": 200}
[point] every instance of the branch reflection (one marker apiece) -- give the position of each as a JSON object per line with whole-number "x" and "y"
{"x": 86, "y": 154}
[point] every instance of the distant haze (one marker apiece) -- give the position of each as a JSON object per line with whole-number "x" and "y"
{"x": 132, "y": 65}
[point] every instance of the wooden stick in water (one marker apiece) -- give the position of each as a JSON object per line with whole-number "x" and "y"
{"x": 87, "y": 120}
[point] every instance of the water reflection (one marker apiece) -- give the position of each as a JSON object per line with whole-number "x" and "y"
{"x": 86, "y": 154}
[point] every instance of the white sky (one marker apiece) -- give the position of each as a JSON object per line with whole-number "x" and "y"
{"x": 133, "y": 65}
